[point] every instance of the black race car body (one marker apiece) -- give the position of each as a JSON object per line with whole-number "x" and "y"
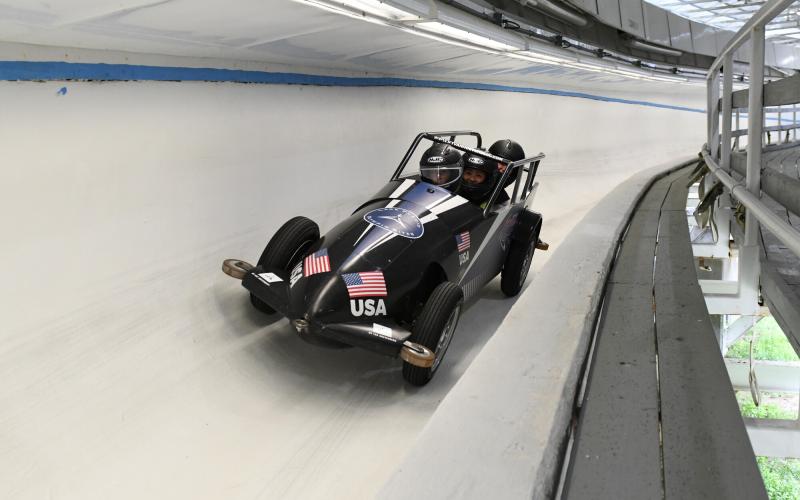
{"x": 364, "y": 282}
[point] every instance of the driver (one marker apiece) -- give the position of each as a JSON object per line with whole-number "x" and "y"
{"x": 480, "y": 176}
{"x": 441, "y": 165}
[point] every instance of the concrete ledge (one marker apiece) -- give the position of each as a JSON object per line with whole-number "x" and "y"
{"x": 502, "y": 429}
{"x": 773, "y": 376}
{"x": 774, "y": 438}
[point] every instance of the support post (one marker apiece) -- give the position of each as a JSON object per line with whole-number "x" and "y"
{"x": 749, "y": 264}
{"x": 755, "y": 129}
{"x": 727, "y": 92}
{"x": 736, "y": 140}
{"x": 713, "y": 115}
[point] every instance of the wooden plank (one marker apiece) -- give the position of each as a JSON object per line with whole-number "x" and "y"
{"x": 654, "y": 198}
{"x": 675, "y": 253}
{"x": 645, "y": 219}
{"x": 634, "y": 262}
{"x": 618, "y": 434}
{"x": 617, "y": 452}
{"x": 706, "y": 451}
{"x": 678, "y": 192}
{"x": 644, "y": 224}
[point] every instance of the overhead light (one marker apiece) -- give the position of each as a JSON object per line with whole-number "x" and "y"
{"x": 627, "y": 72}
{"x": 463, "y": 35}
{"x": 587, "y": 67}
{"x": 367, "y": 10}
{"x": 546, "y": 57}
{"x": 537, "y": 57}
{"x": 558, "y": 11}
{"x": 523, "y": 57}
{"x": 380, "y": 12}
{"x": 670, "y": 79}
{"x": 447, "y": 40}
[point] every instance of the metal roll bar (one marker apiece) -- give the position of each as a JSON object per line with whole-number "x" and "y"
{"x": 533, "y": 161}
{"x": 436, "y": 137}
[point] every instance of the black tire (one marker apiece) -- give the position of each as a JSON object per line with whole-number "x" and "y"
{"x": 518, "y": 262}
{"x": 285, "y": 250}
{"x": 442, "y": 307}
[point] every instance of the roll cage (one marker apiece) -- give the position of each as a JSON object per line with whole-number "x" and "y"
{"x": 521, "y": 188}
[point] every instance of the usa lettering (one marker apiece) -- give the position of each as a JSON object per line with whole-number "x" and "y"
{"x": 463, "y": 258}
{"x": 367, "y": 307}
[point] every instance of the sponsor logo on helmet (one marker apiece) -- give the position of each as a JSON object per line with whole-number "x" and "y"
{"x": 477, "y": 160}
{"x": 436, "y": 159}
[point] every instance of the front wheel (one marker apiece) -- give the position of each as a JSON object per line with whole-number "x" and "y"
{"x": 285, "y": 250}
{"x": 434, "y": 329}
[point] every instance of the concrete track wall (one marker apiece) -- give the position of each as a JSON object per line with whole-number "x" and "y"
{"x": 130, "y": 367}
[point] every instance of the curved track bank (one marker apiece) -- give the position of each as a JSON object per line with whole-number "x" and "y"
{"x": 131, "y": 367}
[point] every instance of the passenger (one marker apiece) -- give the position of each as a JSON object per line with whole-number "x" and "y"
{"x": 479, "y": 179}
{"x": 511, "y": 151}
{"x": 441, "y": 165}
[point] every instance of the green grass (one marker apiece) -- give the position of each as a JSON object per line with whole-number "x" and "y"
{"x": 764, "y": 410}
{"x": 781, "y": 477}
{"x": 771, "y": 344}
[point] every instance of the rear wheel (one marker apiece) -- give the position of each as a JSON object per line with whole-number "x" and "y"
{"x": 434, "y": 329}
{"x": 285, "y": 250}
{"x": 518, "y": 262}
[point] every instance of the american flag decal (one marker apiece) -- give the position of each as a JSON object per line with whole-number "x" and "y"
{"x": 317, "y": 262}
{"x": 462, "y": 241}
{"x": 368, "y": 284}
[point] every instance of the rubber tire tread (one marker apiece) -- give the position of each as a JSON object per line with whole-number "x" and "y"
{"x": 282, "y": 247}
{"x": 510, "y": 283}
{"x": 429, "y": 326}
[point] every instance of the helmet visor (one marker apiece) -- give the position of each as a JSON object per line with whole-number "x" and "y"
{"x": 441, "y": 175}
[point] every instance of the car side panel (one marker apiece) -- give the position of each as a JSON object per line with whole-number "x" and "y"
{"x": 490, "y": 254}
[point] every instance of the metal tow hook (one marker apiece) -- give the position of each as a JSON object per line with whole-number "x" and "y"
{"x": 417, "y": 354}
{"x": 236, "y": 268}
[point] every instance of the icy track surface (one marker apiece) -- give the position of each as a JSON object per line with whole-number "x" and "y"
{"x": 131, "y": 367}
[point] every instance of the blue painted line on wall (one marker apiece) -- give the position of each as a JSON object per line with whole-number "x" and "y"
{"x": 28, "y": 70}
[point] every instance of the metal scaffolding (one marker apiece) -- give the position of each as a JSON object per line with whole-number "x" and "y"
{"x": 740, "y": 291}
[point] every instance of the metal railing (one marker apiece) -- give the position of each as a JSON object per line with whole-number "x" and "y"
{"x": 779, "y": 227}
{"x": 717, "y": 152}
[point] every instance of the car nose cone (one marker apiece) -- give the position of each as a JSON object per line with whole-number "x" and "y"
{"x": 328, "y": 297}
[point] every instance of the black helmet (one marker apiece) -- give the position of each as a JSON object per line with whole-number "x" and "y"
{"x": 508, "y": 149}
{"x": 441, "y": 165}
{"x": 511, "y": 151}
{"x": 477, "y": 191}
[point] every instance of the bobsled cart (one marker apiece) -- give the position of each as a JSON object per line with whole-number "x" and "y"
{"x": 393, "y": 277}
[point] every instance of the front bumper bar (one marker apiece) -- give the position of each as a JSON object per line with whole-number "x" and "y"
{"x": 385, "y": 338}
